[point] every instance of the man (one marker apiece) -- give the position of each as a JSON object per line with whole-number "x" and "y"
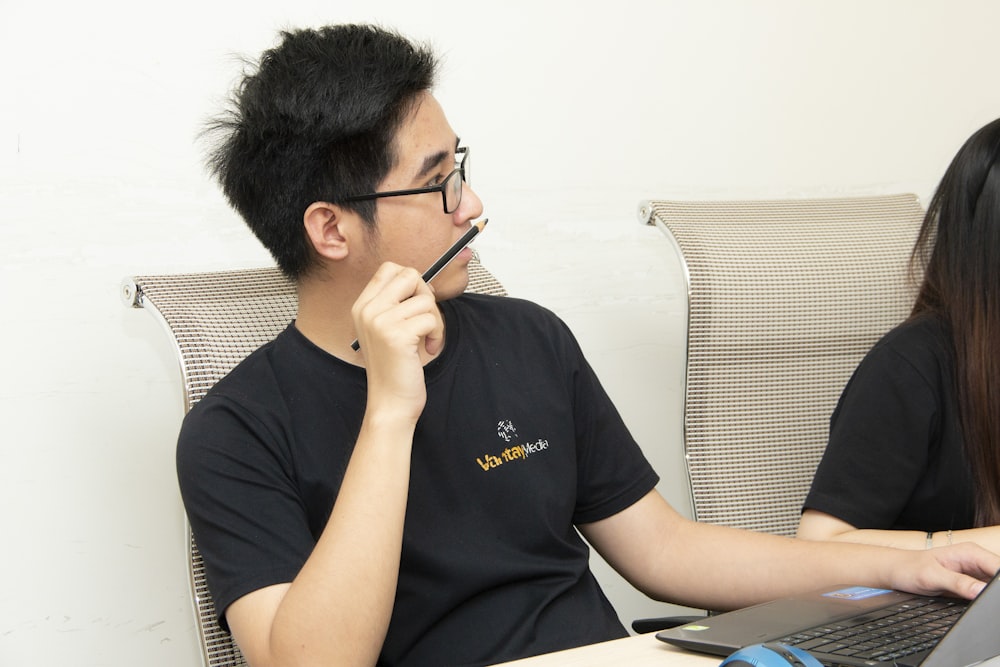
{"x": 417, "y": 501}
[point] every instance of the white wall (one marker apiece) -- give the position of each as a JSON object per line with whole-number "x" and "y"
{"x": 575, "y": 113}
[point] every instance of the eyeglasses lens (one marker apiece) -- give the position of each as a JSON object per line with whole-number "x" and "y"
{"x": 453, "y": 184}
{"x": 453, "y": 192}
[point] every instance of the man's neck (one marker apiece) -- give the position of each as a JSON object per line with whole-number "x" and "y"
{"x": 324, "y": 317}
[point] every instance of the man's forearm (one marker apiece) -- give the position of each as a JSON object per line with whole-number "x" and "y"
{"x": 337, "y": 609}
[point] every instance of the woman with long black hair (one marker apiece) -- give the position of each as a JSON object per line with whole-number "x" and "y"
{"x": 913, "y": 458}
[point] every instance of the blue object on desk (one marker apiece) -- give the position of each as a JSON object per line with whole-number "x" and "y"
{"x": 770, "y": 655}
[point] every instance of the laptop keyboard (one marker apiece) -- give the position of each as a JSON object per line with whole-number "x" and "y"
{"x": 883, "y": 635}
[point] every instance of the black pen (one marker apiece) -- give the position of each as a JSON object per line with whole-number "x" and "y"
{"x": 444, "y": 259}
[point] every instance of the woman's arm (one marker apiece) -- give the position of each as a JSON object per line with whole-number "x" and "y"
{"x": 816, "y": 525}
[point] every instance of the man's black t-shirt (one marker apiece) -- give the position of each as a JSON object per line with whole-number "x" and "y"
{"x": 518, "y": 442}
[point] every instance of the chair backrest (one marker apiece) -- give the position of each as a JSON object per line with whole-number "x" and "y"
{"x": 784, "y": 299}
{"x": 216, "y": 319}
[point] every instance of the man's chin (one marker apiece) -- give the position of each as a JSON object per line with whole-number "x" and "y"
{"x": 452, "y": 285}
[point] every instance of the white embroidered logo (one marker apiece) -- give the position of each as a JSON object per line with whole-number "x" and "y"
{"x": 506, "y": 430}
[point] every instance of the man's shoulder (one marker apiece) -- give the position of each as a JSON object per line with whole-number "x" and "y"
{"x": 525, "y": 330}
{"x": 246, "y": 405}
{"x": 503, "y": 306}
{"x": 511, "y": 317}
{"x": 250, "y": 382}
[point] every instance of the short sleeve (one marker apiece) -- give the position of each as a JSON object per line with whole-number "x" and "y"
{"x": 613, "y": 473}
{"x": 240, "y": 497}
{"x": 879, "y": 445}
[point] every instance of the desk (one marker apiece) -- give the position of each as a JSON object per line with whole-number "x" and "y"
{"x": 638, "y": 651}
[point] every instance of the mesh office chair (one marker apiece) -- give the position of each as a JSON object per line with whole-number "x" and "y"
{"x": 784, "y": 299}
{"x": 216, "y": 319}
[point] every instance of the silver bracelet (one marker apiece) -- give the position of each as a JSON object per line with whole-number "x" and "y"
{"x": 929, "y": 542}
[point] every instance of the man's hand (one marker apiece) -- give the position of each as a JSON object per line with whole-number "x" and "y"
{"x": 670, "y": 561}
{"x": 399, "y": 326}
{"x": 961, "y": 570}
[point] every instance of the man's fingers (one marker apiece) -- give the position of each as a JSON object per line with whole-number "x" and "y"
{"x": 398, "y": 303}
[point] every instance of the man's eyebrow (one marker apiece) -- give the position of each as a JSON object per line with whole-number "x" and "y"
{"x": 432, "y": 161}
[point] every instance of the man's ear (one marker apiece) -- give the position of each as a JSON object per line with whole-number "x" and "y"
{"x": 329, "y": 229}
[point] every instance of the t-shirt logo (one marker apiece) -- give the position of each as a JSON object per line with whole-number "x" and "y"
{"x": 506, "y": 430}
{"x": 516, "y": 452}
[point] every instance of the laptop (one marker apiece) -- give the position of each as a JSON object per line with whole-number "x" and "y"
{"x": 831, "y": 624}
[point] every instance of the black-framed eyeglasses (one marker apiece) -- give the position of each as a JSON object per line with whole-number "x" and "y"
{"x": 450, "y": 188}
